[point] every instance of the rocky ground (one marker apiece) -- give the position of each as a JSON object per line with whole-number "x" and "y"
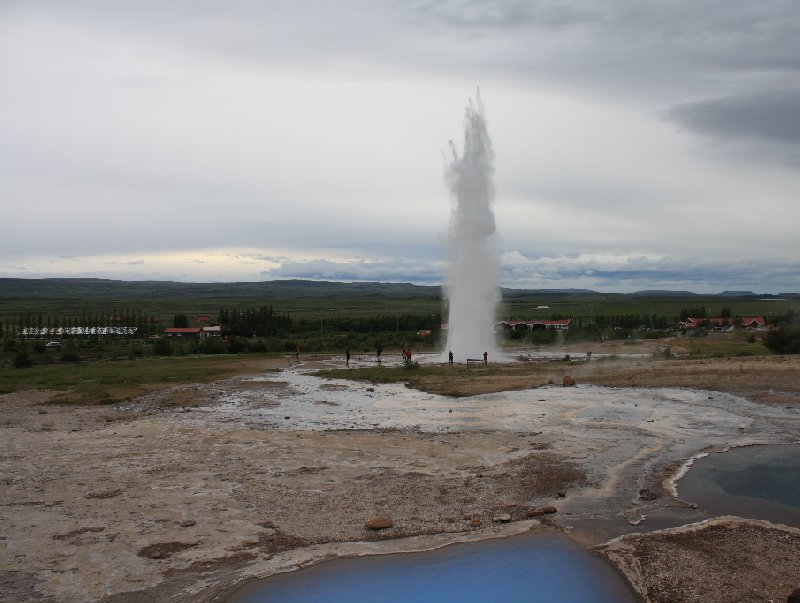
{"x": 168, "y": 500}
{"x": 724, "y": 559}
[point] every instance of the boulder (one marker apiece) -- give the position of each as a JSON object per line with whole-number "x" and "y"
{"x": 541, "y": 511}
{"x": 568, "y": 381}
{"x": 379, "y": 523}
{"x": 475, "y": 523}
{"x": 502, "y": 518}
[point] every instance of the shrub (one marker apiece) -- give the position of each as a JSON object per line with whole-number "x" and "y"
{"x": 162, "y": 347}
{"x": 70, "y": 356}
{"x": 784, "y": 340}
{"x": 21, "y": 360}
{"x": 238, "y": 345}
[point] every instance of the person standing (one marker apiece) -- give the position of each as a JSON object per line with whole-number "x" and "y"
{"x": 347, "y": 356}
{"x": 450, "y": 358}
{"x": 485, "y": 358}
{"x": 297, "y": 351}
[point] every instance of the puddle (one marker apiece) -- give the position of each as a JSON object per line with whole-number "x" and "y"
{"x": 528, "y": 568}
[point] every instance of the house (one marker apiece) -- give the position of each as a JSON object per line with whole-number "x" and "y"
{"x": 750, "y": 322}
{"x": 559, "y": 325}
{"x": 202, "y": 318}
{"x": 211, "y": 332}
{"x": 182, "y": 332}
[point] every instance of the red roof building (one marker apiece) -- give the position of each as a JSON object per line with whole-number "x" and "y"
{"x": 186, "y": 332}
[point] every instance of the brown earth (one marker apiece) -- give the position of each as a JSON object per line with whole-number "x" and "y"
{"x": 155, "y": 502}
{"x": 725, "y": 559}
{"x": 767, "y": 379}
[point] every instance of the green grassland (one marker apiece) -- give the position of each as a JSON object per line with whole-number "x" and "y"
{"x": 108, "y": 382}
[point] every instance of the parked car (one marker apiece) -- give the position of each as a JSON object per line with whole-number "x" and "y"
{"x": 53, "y": 345}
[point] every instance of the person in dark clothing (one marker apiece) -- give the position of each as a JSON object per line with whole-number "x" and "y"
{"x": 347, "y": 356}
{"x": 450, "y": 358}
{"x": 485, "y": 358}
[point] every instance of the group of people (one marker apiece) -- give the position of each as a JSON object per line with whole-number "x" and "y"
{"x": 406, "y": 356}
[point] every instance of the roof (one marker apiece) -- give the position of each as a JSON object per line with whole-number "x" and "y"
{"x": 530, "y": 323}
{"x": 182, "y": 330}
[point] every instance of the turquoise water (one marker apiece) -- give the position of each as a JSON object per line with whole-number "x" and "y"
{"x": 522, "y": 569}
{"x": 758, "y": 482}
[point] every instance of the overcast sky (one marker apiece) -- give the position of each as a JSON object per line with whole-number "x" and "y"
{"x": 639, "y": 145}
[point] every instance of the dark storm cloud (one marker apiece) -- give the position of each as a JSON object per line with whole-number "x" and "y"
{"x": 772, "y": 116}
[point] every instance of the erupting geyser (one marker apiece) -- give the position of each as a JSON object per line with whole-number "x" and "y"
{"x": 472, "y": 285}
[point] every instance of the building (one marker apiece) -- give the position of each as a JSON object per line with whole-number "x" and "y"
{"x": 211, "y": 332}
{"x": 747, "y": 322}
{"x": 558, "y": 325}
{"x": 183, "y": 333}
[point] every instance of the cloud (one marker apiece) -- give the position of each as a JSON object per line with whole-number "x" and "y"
{"x": 128, "y": 263}
{"x": 770, "y": 116}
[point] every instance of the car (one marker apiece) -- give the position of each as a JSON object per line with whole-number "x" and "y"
{"x": 53, "y": 345}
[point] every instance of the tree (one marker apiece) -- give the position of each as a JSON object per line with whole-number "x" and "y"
{"x": 180, "y": 321}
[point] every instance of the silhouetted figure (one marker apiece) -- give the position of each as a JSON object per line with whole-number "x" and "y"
{"x": 380, "y": 351}
{"x": 297, "y": 351}
{"x": 347, "y": 356}
{"x": 485, "y": 358}
{"x": 450, "y": 358}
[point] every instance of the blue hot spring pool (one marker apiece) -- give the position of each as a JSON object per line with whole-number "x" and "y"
{"x": 529, "y": 568}
{"x": 757, "y": 482}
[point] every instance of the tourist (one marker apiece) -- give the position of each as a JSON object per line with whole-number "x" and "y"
{"x": 297, "y": 351}
{"x": 380, "y": 351}
{"x": 450, "y": 358}
{"x": 485, "y": 358}
{"x": 347, "y": 356}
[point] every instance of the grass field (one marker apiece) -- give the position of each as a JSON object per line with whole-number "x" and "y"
{"x": 108, "y": 382}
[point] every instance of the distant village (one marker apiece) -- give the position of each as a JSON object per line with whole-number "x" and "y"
{"x": 203, "y": 332}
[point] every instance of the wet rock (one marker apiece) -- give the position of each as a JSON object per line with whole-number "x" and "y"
{"x": 794, "y": 597}
{"x": 568, "y": 381}
{"x": 162, "y": 550}
{"x": 475, "y": 523}
{"x": 562, "y": 493}
{"x": 502, "y": 518}
{"x": 537, "y": 512}
{"x": 647, "y": 494}
{"x": 379, "y": 523}
{"x": 187, "y": 523}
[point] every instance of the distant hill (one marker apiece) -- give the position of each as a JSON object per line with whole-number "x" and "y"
{"x": 96, "y": 288}
{"x": 663, "y": 293}
{"x": 289, "y": 289}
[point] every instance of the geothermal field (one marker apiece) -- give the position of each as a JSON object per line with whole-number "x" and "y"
{"x": 195, "y": 491}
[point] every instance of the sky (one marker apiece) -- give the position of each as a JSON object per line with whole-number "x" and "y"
{"x": 638, "y": 144}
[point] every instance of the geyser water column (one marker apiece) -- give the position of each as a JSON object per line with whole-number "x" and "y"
{"x": 472, "y": 284}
